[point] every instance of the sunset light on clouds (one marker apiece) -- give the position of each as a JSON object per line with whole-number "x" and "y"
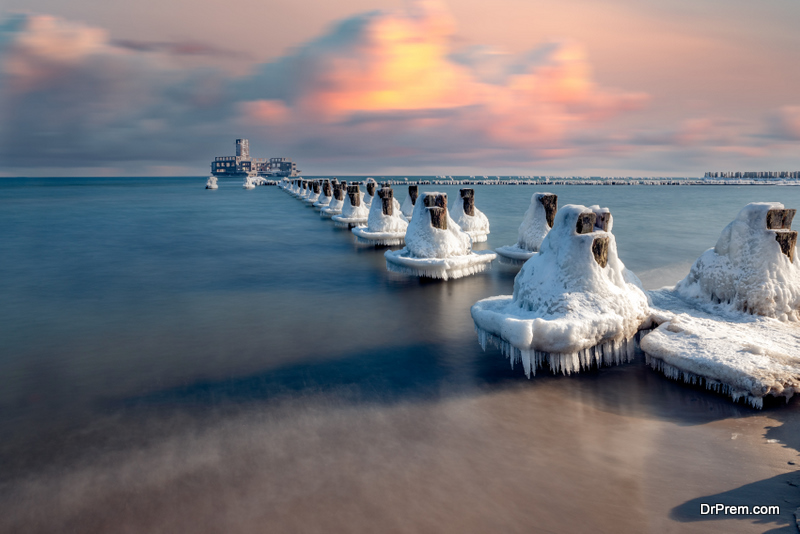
{"x": 393, "y": 90}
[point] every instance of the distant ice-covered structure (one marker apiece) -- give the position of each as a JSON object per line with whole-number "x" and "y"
{"x": 325, "y": 195}
{"x": 574, "y": 303}
{"x": 354, "y": 212}
{"x": 435, "y": 245}
{"x": 411, "y": 200}
{"x": 336, "y": 203}
{"x": 536, "y": 223}
{"x": 211, "y": 183}
{"x": 469, "y": 218}
{"x": 733, "y": 324}
{"x": 385, "y": 224}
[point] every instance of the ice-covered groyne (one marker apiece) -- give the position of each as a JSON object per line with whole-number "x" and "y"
{"x": 733, "y": 324}
{"x": 211, "y": 183}
{"x": 536, "y": 223}
{"x": 574, "y": 303}
{"x": 325, "y": 195}
{"x": 435, "y": 245}
{"x": 411, "y": 200}
{"x": 385, "y": 224}
{"x": 336, "y": 203}
{"x": 354, "y": 212}
{"x": 469, "y": 218}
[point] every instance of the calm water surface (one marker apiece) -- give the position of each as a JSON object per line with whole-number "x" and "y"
{"x": 177, "y": 359}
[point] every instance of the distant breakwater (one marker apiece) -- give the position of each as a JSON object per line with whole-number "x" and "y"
{"x": 561, "y": 181}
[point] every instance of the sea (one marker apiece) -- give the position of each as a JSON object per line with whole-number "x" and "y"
{"x": 176, "y": 359}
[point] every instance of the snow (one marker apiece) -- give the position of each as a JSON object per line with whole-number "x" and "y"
{"x": 531, "y": 232}
{"x": 211, "y": 183}
{"x": 352, "y": 215}
{"x": 747, "y": 270}
{"x": 434, "y": 252}
{"x": 567, "y": 309}
{"x": 383, "y": 229}
{"x": 734, "y": 353}
{"x": 477, "y": 225}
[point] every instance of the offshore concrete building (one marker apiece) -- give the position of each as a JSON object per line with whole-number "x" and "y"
{"x": 242, "y": 164}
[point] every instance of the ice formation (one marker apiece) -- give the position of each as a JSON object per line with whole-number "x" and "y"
{"x": 385, "y": 225}
{"x": 325, "y": 196}
{"x": 314, "y": 193}
{"x": 753, "y": 267}
{"x": 470, "y": 218}
{"x": 336, "y": 203}
{"x": 249, "y": 183}
{"x": 731, "y": 352}
{"x": 211, "y": 183}
{"x": 732, "y": 323}
{"x": 574, "y": 303}
{"x": 354, "y": 212}
{"x": 410, "y": 201}
{"x": 435, "y": 245}
{"x": 537, "y": 222}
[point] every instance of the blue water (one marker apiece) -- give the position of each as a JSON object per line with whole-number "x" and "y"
{"x": 132, "y": 300}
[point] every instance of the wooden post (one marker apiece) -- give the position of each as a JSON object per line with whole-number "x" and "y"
{"x": 354, "y": 194}
{"x": 550, "y": 204}
{"x": 780, "y": 219}
{"x": 413, "y": 192}
{"x": 326, "y": 188}
{"x": 602, "y": 221}
{"x": 338, "y": 192}
{"x": 468, "y": 196}
{"x": 585, "y": 224}
{"x": 600, "y": 250}
{"x": 371, "y": 188}
{"x": 436, "y": 204}
{"x": 387, "y": 201}
{"x": 316, "y": 187}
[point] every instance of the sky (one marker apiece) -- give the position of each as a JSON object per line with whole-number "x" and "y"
{"x": 390, "y": 87}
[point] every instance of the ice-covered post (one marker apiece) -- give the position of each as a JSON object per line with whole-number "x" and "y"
{"x": 338, "y": 192}
{"x": 371, "y": 188}
{"x": 436, "y": 205}
{"x": 550, "y": 204}
{"x": 354, "y": 194}
{"x": 387, "y": 200}
{"x": 468, "y": 196}
{"x": 326, "y": 188}
{"x": 780, "y": 222}
{"x": 316, "y": 187}
{"x": 413, "y": 192}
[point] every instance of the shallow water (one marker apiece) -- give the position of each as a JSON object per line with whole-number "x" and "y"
{"x": 177, "y": 359}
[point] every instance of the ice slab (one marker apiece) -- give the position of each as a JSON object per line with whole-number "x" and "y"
{"x": 735, "y": 353}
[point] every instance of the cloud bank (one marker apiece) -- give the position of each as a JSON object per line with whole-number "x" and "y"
{"x": 381, "y": 90}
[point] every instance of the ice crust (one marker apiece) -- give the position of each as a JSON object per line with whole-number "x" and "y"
{"x": 734, "y": 353}
{"x": 747, "y": 270}
{"x": 566, "y": 309}
{"x": 477, "y": 226}
{"x": 434, "y": 252}
{"x": 334, "y": 207}
{"x": 408, "y": 207}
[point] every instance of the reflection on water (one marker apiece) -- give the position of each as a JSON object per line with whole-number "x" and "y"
{"x": 177, "y": 359}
